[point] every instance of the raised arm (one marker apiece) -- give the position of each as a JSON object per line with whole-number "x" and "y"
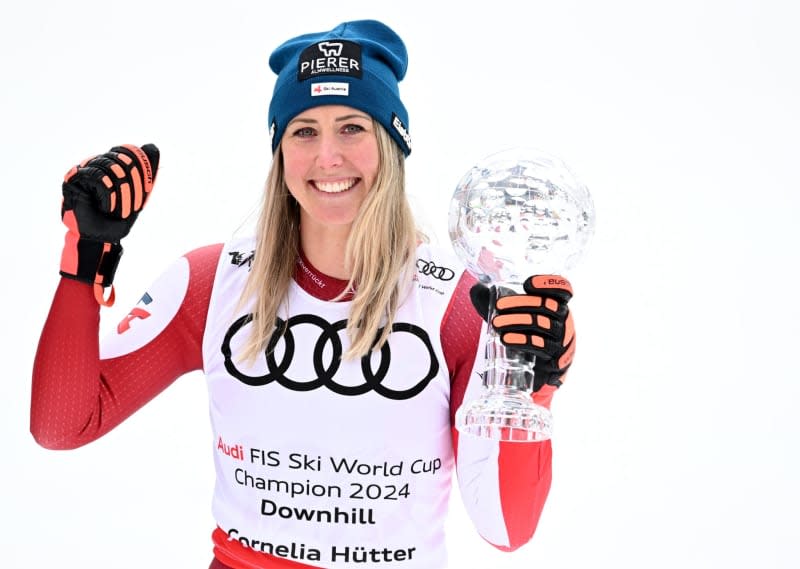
{"x": 77, "y": 395}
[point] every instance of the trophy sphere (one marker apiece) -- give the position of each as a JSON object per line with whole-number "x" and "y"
{"x": 520, "y": 212}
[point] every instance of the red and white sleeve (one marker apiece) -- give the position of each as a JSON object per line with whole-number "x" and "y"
{"x": 503, "y": 485}
{"x": 82, "y": 389}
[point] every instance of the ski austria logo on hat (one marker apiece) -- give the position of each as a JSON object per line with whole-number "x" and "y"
{"x": 330, "y": 57}
{"x": 319, "y": 89}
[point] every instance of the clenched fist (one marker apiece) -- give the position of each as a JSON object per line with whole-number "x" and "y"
{"x": 102, "y": 197}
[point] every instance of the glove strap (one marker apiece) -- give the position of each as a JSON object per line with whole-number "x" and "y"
{"x": 93, "y": 262}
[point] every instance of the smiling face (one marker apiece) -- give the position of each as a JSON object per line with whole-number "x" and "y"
{"x": 330, "y": 162}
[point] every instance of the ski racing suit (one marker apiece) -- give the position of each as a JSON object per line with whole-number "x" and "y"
{"x": 320, "y": 461}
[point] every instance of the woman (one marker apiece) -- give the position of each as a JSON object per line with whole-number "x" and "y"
{"x": 335, "y": 357}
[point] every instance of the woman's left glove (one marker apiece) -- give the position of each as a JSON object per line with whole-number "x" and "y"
{"x": 538, "y": 323}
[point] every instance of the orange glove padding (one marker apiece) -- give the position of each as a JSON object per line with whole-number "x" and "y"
{"x": 102, "y": 197}
{"x": 538, "y": 323}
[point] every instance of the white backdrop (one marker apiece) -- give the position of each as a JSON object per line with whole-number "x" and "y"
{"x": 676, "y": 435}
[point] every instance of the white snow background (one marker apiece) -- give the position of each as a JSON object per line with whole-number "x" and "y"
{"x": 676, "y": 434}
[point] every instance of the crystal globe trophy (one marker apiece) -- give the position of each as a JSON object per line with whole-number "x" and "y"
{"x": 516, "y": 213}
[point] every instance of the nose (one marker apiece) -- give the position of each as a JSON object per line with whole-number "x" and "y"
{"x": 329, "y": 152}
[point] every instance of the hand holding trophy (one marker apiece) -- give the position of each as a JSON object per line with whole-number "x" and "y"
{"x": 514, "y": 214}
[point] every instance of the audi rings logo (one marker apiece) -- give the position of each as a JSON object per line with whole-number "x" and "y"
{"x": 326, "y": 373}
{"x": 432, "y": 269}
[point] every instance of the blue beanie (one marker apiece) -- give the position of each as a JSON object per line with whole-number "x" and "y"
{"x": 357, "y": 64}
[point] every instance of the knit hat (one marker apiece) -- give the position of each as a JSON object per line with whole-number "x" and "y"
{"x": 357, "y": 64}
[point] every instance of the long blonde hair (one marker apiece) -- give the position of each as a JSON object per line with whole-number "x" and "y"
{"x": 380, "y": 254}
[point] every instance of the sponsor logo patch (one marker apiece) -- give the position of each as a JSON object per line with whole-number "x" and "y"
{"x": 331, "y": 57}
{"x": 241, "y": 259}
{"x": 324, "y": 337}
{"x": 321, "y": 89}
{"x": 425, "y": 267}
{"x": 136, "y": 313}
{"x": 401, "y": 129}
{"x": 152, "y": 313}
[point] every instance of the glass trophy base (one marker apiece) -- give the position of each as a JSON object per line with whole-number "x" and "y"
{"x": 506, "y": 415}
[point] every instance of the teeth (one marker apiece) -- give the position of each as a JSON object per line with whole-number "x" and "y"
{"x": 335, "y": 187}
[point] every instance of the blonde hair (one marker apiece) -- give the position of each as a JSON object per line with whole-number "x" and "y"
{"x": 380, "y": 255}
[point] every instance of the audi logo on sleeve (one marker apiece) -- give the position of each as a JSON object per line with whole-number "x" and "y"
{"x": 327, "y": 351}
{"x": 425, "y": 267}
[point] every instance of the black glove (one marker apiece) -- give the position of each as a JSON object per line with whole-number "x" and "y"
{"x": 103, "y": 196}
{"x": 538, "y": 323}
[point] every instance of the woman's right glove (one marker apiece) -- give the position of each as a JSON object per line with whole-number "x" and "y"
{"x": 102, "y": 197}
